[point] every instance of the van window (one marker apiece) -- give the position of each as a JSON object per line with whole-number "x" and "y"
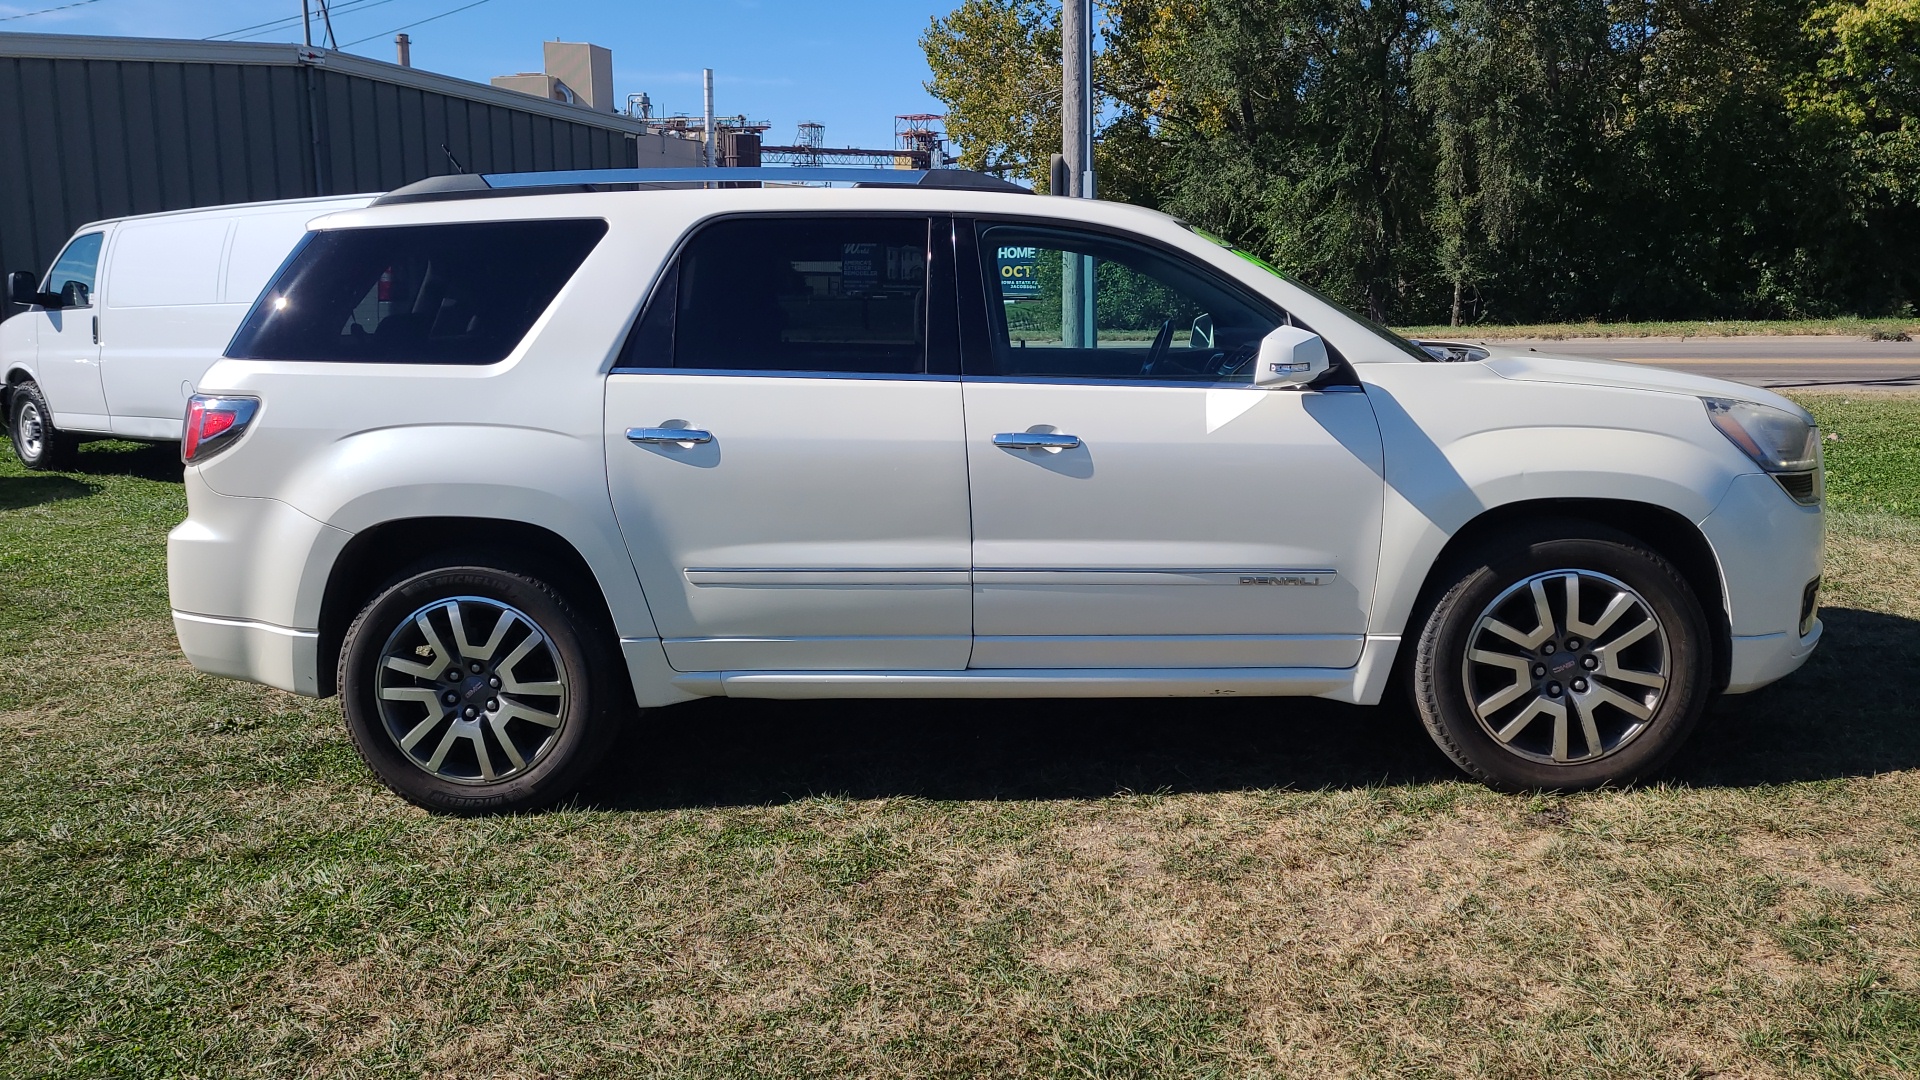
{"x": 75, "y": 270}
{"x": 418, "y": 294}
{"x": 167, "y": 263}
{"x": 789, "y": 294}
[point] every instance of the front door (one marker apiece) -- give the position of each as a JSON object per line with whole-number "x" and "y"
{"x": 789, "y": 475}
{"x": 69, "y": 354}
{"x": 1136, "y": 501}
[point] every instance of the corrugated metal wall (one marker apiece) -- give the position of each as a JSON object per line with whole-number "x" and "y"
{"x": 82, "y": 139}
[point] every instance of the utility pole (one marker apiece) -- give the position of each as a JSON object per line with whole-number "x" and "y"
{"x": 1077, "y": 329}
{"x": 306, "y": 21}
{"x": 1076, "y": 94}
{"x": 706, "y": 75}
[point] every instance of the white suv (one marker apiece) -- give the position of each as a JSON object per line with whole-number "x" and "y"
{"x": 501, "y": 460}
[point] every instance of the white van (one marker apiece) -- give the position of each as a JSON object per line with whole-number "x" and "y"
{"x": 134, "y": 310}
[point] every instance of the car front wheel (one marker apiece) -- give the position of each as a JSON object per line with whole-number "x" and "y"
{"x": 473, "y": 689}
{"x": 1567, "y": 658}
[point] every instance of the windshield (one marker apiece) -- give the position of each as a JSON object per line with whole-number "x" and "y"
{"x": 1379, "y": 331}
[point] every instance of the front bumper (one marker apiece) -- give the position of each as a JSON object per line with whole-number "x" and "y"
{"x": 1764, "y": 658}
{"x": 1769, "y": 547}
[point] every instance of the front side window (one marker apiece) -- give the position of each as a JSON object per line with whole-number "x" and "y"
{"x": 1083, "y": 305}
{"x": 76, "y": 270}
{"x": 792, "y": 294}
{"x": 463, "y": 293}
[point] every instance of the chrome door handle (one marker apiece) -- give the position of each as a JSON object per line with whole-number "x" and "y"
{"x": 1036, "y": 440}
{"x": 668, "y": 436}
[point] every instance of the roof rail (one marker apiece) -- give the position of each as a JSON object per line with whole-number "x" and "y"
{"x": 487, "y": 185}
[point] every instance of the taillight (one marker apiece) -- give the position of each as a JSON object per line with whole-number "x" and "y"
{"x": 214, "y": 423}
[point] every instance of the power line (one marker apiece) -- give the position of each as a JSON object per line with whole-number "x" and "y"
{"x": 47, "y": 11}
{"x": 277, "y": 24}
{"x": 422, "y": 22}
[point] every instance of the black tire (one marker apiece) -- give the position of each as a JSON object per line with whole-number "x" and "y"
{"x": 578, "y": 657}
{"x": 1452, "y": 692}
{"x": 36, "y": 442}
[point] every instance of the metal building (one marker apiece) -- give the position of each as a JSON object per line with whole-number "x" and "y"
{"x": 96, "y": 127}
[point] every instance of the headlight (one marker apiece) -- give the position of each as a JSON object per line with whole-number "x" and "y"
{"x": 1783, "y": 443}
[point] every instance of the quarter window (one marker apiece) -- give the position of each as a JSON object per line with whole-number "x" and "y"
{"x": 1067, "y": 304}
{"x": 792, "y": 294}
{"x": 76, "y": 270}
{"x": 424, "y": 294}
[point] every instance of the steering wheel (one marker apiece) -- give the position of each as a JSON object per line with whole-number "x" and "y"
{"x": 1162, "y": 341}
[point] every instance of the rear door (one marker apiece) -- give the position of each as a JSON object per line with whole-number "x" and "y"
{"x": 785, "y": 448}
{"x": 68, "y": 368}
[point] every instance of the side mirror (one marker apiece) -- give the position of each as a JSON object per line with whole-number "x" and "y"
{"x": 1290, "y": 356}
{"x": 21, "y": 287}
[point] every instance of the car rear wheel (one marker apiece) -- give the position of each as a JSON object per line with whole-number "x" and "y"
{"x": 1567, "y": 658}
{"x": 37, "y": 443}
{"x": 474, "y": 689}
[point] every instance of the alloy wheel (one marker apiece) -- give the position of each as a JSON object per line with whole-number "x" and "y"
{"x": 466, "y": 711}
{"x": 1566, "y": 690}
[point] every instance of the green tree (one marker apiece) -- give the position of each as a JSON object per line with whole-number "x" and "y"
{"x": 1494, "y": 159}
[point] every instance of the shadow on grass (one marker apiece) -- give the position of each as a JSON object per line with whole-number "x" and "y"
{"x": 753, "y": 752}
{"x": 115, "y": 457}
{"x": 1843, "y": 715}
{"x": 20, "y": 492}
{"x": 1853, "y": 710}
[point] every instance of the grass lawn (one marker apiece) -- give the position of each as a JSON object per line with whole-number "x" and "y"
{"x": 198, "y": 877}
{"x": 1878, "y": 329}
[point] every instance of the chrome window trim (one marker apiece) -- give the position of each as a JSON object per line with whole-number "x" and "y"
{"x": 1150, "y": 384}
{"x": 742, "y": 373}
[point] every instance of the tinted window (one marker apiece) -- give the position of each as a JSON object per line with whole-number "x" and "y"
{"x": 788, "y": 294}
{"x": 75, "y": 271}
{"x": 423, "y": 294}
{"x": 1089, "y": 306}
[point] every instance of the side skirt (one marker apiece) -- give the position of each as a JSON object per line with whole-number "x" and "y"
{"x": 1015, "y": 683}
{"x": 1361, "y": 684}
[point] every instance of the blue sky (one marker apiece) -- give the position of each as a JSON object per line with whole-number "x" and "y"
{"x": 850, "y": 64}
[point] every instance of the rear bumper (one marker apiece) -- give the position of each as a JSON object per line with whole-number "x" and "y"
{"x": 257, "y": 652}
{"x": 246, "y": 578}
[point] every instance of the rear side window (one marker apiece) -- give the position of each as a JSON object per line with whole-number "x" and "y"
{"x": 790, "y": 294}
{"x": 420, "y": 294}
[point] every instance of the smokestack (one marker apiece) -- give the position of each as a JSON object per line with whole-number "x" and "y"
{"x": 706, "y": 75}
{"x": 405, "y": 45}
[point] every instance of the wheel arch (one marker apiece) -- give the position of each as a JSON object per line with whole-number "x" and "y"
{"x": 1667, "y": 532}
{"x": 16, "y": 375}
{"x": 378, "y": 553}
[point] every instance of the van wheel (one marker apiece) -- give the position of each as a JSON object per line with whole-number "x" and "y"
{"x": 37, "y": 443}
{"x": 1567, "y": 658}
{"x": 475, "y": 690}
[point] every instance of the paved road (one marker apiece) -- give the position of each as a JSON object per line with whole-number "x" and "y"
{"x": 1783, "y": 362}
